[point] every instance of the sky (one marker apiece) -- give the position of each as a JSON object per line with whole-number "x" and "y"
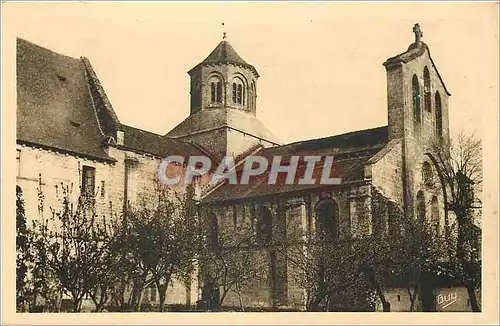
{"x": 320, "y": 63}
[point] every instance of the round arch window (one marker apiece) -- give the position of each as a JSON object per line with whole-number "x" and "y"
{"x": 238, "y": 91}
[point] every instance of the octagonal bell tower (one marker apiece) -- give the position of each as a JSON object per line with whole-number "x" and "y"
{"x": 223, "y": 80}
{"x": 222, "y": 118}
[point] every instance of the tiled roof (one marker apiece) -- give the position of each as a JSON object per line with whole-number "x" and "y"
{"x": 414, "y": 51}
{"x": 158, "y": 145}
{"x": 351, "y": 152}
{"x": 223, "y": 117}
{"x": 55, "y": 107}
{"x": 225, "y": 53}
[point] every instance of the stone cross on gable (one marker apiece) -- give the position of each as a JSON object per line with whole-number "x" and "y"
{"x": 418, "y": 32}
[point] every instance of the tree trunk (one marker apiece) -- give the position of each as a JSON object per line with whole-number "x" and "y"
{"x": 471, "y": 291}
{"x": 138, "y": 286}
{"x": 137, "y": 305}
{"x": 376, "y": 285}
{"x": 102, "y": 301}
{"x": 242, "y": 307}
{"x": 77, "y": 304}
{"x": 162, "y": 292}
{"x": 119, "y": 296}
{"x": 222, "y": 297}
{"x": 103, "y": 298}
{"x": 413, "y": 297}
{"x": 385, "y": 304}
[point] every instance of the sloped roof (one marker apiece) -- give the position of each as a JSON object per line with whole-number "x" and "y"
{"x": 210, "y": 119}
{"x": 54, "y": 104}
{"x": 147, "y": 142}
{"x": 351, "y": 152}
{"x": 414, "y": 51}
{"x": 225, "y": 53}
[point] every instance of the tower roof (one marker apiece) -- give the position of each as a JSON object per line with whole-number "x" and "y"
{"x": 415, "y": 50}
{"x": 224, "y": 53}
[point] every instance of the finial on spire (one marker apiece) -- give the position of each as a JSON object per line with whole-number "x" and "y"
{"x": 418, "y": 32}
{"x": 223, "y": 32}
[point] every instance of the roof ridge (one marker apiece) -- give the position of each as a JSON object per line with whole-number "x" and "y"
{"x": 333, "y": 136}
{"x": 107, "y": 119}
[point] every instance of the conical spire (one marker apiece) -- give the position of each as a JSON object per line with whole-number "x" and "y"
{"x": 224, "y": 53}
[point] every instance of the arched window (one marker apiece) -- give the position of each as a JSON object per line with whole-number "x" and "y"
{"x": 264, "y": 226}
{"x": 435, "y": 216}
{"x": 427, "y": 90}
{"x": 416, "y": 99}
{"x": 420, "y": 207}
{"x": 327, "y": 216}
{"x": 238, "y": 92}
{"x": 216, "y": 91}
{"x": 427, "y": 175}
{"x": 439, "y": 115}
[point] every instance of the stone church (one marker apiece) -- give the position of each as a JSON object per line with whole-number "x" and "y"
{"x": 68, "y": 132}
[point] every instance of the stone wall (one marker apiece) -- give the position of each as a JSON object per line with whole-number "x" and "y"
{"x": 56, "y": 170}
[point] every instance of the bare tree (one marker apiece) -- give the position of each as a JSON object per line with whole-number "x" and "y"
{"x": 332, "y": 271}
{"x": 72, "y": 243}
{"x": 157, "y": 241}
{"x": 460, "y": 165}
{"x": 231, "y": 264}
{"x": 397, "y": 251}
{"x": 108, "y": 270}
